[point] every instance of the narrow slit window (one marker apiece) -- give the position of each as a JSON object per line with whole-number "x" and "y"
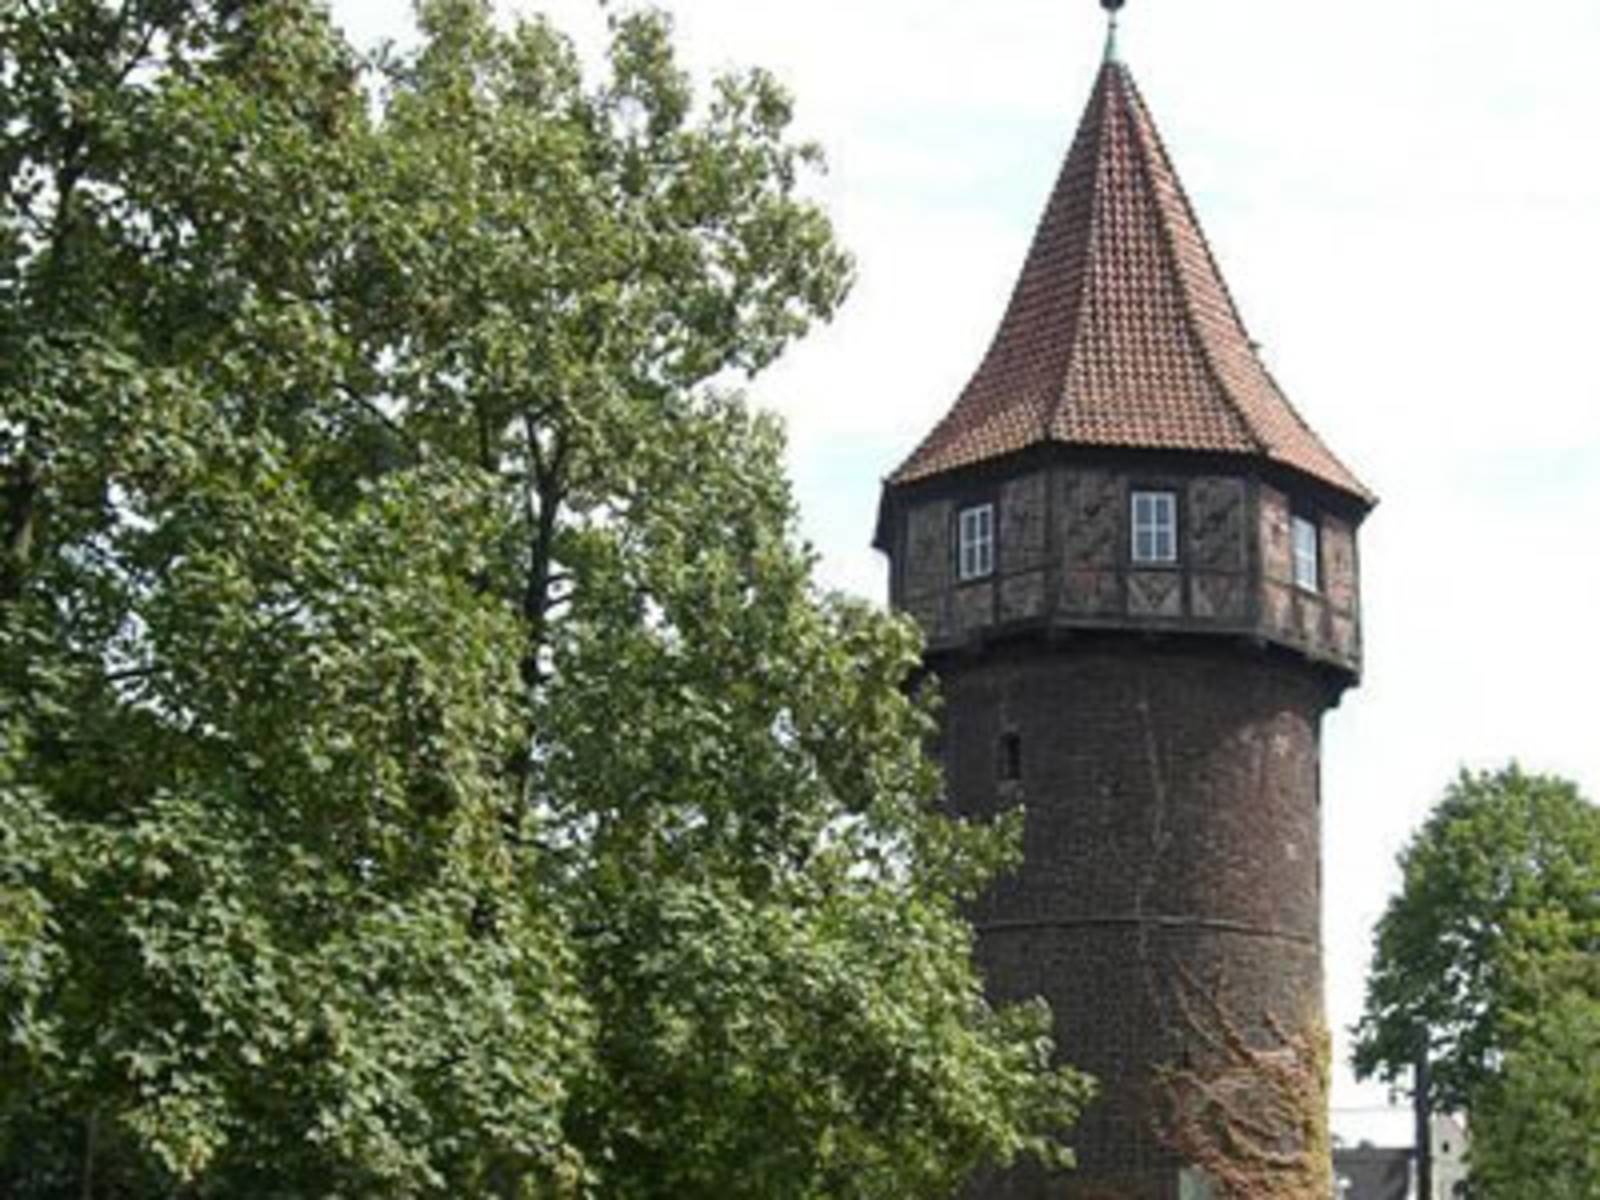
{"x": 1155, "y": 527}
{"x": 977, "y": 542}
{"x": 1010, "y": 758}
{"x": 1307, "y": 554}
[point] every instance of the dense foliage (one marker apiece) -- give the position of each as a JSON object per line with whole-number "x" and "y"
{"x": 1506, "y": 871}
{"x": 1488, "y": 960}
{"x": 426, "y": 764}
{"x": 1536, "y": 1126}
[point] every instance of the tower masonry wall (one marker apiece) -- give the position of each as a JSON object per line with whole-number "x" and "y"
{"x": 1168, "y": 905}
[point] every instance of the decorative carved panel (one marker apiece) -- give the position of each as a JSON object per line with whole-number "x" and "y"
{"x": 1278, "y": 617}
{"x": 1217, "y": 524}
{"x": 932, "y": 612}
{"x": 974, "y": 605}
{"x": 1308, "y": 620}
{"x": 1218, "y": 597}
{"x": 1276, "y": 554}
{"x": 1091, "y": 511}
{"x": 1022, "y": 596}
{"x": 1022, "y": 523}
{"x": 1339, "y": 565}
{"x": 930, "y": 560}
{"x": 1155, "y": 594}
{"x": 1345, "y": 637}
{"x": 1091, "y": 594}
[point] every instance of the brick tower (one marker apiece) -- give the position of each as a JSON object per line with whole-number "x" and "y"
{"x": 1136, "y": 568}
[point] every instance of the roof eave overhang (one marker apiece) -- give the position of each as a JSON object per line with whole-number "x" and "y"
{"x": 1352, "y": 504}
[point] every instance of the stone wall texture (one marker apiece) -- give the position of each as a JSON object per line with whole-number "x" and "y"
{"x": 1172, "y": 849}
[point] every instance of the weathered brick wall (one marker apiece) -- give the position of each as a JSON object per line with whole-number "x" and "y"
{"x": 1172, "y": 856}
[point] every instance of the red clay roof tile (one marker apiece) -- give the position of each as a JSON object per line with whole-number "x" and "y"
{"x": 1121, "y": 331}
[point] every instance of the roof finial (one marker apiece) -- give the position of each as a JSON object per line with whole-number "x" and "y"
{"x": 1112, "y": 8}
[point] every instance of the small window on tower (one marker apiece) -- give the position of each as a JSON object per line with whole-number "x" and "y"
{"x": 1307, "y": 554}
{"x": 976, "y": 543}
{"x": 1010, "y": 758}
{"x": 1155, "y": 527}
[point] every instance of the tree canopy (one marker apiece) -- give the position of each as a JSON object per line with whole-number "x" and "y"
{"x": 1500, "y": 886}
{"x": 1536, "y": 1125}
{"x": 427, "y": 765}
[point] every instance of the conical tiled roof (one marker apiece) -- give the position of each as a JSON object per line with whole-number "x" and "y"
{"x": 1121, "y": 331}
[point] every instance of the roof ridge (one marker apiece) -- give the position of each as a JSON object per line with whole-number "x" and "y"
{"x": 1175, "y": 266}
{"x": 1100, "y": 96}
{"x": 975, "y": 407}
{"x": 1262, "y": 437}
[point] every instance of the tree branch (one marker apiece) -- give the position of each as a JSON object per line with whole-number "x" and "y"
{"x": 21, "y": 496}
{"x": 403, "y": 435}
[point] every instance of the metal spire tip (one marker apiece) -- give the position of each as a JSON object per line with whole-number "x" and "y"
{"x": 1113, "y": 8}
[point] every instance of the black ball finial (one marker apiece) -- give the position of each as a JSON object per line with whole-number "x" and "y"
{"x": 1111, "y": 6}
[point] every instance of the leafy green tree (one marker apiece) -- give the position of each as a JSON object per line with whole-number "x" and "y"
{"x": 1505, "y": 873}
{"x": 1536, "y": 1127}
{"x": 256, "y": 707}
{"x": 426, "y": 764}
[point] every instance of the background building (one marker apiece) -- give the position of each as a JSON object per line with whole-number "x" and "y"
{"x": 1368, "y": 1172}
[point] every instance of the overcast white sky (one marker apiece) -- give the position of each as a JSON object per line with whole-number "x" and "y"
{"x": 1405, "y": 198}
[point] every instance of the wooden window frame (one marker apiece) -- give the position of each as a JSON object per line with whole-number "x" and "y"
{"x": 1156, "y": 504}
{"x": 976, "y": 543}
{"x": 1305, "y": 552}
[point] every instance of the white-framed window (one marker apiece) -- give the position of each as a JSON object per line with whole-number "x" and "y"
{"x": 976, "y": 542}
{"x": 1155, "y": 527}
{"x": 1307, "y": 556}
